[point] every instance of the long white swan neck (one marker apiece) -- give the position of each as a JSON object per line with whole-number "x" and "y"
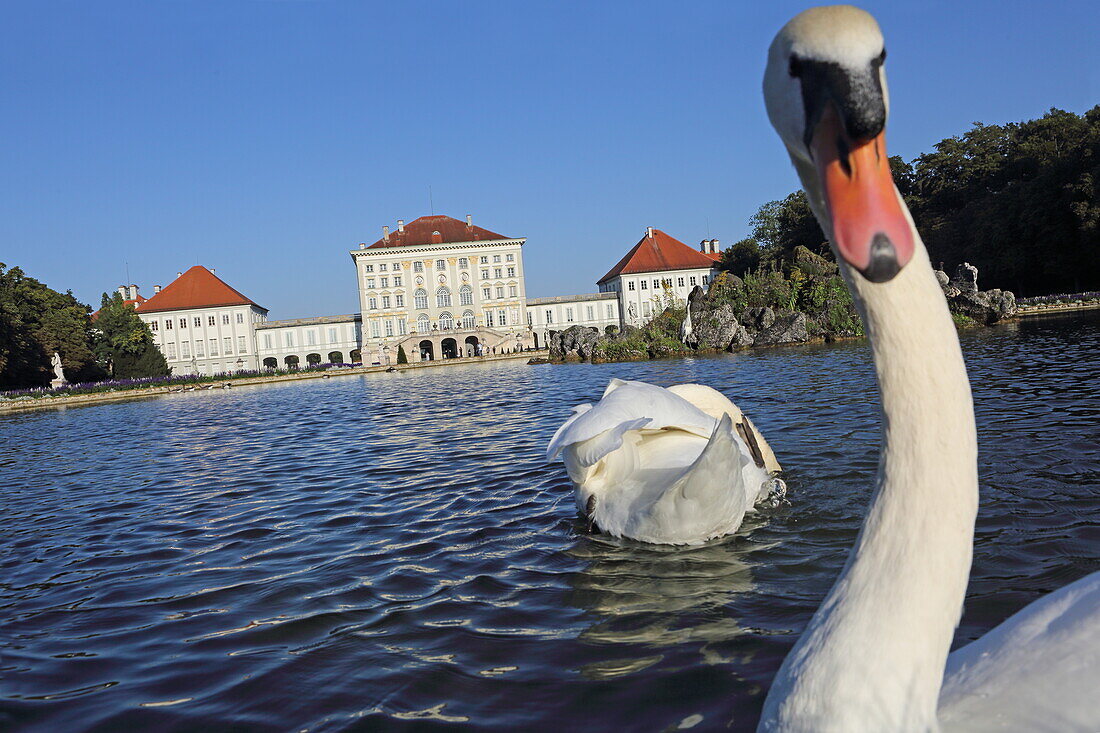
{"x": 873, "y": 655}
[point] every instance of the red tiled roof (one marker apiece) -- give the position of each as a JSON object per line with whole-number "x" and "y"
{"x": 196, "y": 288}
{"x": 423, "y": 231}
{"x": 659, "y": 253}
{"x": 135, "y": 302}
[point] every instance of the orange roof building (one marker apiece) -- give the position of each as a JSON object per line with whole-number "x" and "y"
{"x": 658, "y": 270}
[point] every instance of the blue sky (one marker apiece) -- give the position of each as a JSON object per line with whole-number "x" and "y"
{"x": 267, "y": 138}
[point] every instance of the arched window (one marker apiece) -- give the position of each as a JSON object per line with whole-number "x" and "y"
{"x": 446, "y": 322}
{"x": 468, "y": 319}
{"x": 466, "y": 295}
{"x": 443, "y": 298}
{"x": 422, "y": 324}
{"x": 421, "y": 298}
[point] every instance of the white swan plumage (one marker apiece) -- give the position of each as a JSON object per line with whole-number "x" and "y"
{"x": 874, "y": 657}
{"x": 680, "y": 465}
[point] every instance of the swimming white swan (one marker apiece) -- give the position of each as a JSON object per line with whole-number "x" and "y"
{"x": 670, "y": 466}
{"x": 873, "y": 657}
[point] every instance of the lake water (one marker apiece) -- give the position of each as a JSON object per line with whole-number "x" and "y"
{"x": 390, "y": 551}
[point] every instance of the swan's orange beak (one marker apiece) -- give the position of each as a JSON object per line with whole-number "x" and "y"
{"x": 870, "y": 230}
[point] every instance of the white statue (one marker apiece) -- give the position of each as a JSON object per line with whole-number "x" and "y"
{"x": 58, "y": 373}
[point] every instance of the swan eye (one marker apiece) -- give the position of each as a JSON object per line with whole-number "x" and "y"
{"x": 795, "y": 68}
{"x": 879, "y": 60}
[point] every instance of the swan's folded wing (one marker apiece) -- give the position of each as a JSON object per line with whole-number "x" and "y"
{"x": 1037, "y": 671}
{"x": 627, "y": 402}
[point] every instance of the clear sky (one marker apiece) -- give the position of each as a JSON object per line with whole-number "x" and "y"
{"x": 267, "y": 138}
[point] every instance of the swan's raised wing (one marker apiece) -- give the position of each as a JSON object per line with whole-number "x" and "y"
{"x": 628, "y": 402}
{"x": 1037, "y": 671}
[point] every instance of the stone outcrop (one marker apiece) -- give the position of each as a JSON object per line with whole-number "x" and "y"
{"x": 964, "y": 298}
{"x": 788, "y": 328}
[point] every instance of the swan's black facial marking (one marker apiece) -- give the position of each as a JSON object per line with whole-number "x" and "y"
{"x": 857, "y": 95}
{"x": 749, "y": 436}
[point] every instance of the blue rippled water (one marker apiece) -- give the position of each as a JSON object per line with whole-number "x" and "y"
{"x": 390, "y": 551}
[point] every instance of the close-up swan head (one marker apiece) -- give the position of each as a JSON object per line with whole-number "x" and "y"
{"x": 825, "y": 90}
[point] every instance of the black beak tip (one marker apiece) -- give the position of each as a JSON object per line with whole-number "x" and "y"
{"x": 883, "y": 265}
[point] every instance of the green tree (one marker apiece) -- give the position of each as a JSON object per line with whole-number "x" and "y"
{"x": 35, "y": 322}
{"x": 402, "y": 358}
{"x": 741, "y": 257}
{"x": 124, "y": 344}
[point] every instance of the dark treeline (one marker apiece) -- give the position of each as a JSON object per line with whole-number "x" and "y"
{"x": 36, "y": 321}
{"x": 1020, "y": 201}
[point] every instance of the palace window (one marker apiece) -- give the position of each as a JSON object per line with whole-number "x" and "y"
{"x": 645, "y": 309}
{"x": 170, "y": 351}
{"x": 692, "y": 280}
{"x": 210, "y": 321}
{"x": 446, "y": 322}
{"x": 511, "y": 272}
{"x": 630, "y": 285}
{"x": 267, "y": 341}
{"x": 375, "y": 332}
{"x": 610, "y": 311}
{"x": 549, "y": 316}
{"x": 484, "y": 260}
{"x": 387, "y": 327}
{"x": 679, "y": 282}
{"x": 510, "y": 258}
{"x": 401, "y": 327}
{"x": 500, "y": 291}
{"x": 240, "y": 318}
{"x": 400, "y": 300}
{"x": 443, "y": 298}
{"x": 705, "y": 279}
{"x": 463, "y": 263}
{"x": 332, "y": 335}
{"x": 468, "y": 319}
{"x": 496, "y": 272}
{"x": 368, "y": 268}
{"x": 241, "y": 347}
{"x": 198, "y": 322}
{"x": 644, "y": 284}
{"x": 372, "y": 303}
{"x": 183, "y": 323}
{"x": 484, "y": 274}
{"x": 420, "y": 299}
{"x": 386, "y": 301}
{"x": 370, "y": 282}
{"x": 496, "y": 258}
{"x": 227, "y": 343}
{"x": 568, "y": 315}
{"x": 382, "y": 267}
{"x": 396, "y": 267}
{"x": 214, "y": 346}
{"x": 466, "y": 295}
{"x": 168, "y": 324}
{"x": 288, "y": 339}
{"x": 486, "y": 294}
{"x": 588, "y": 313}
{"x": 512, "y": 291}
{"x": 185, "y": 350}
{"x": 418, "y": 266}
{"x": 514, "y": 313}
{"x": 656, "y": 284}
{"x": 225, "y": 319}
{"x": 397, "y": 281}
{"x": 311, "y": 337}
{"x": 154, "y": 325}
{"x": 198, "y": 347}
{"x": 385, "y": 282}
{"x": 441, "y": 264}
{"x": 422, "y": 324}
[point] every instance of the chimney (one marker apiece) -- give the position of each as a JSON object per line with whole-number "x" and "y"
{"x": 714, "y": 247}
{"x": 362, "y": 245}
{"x": 401, "y": 225}
{"x": 178, "y": 274}
{"x": 385, "y": 234}
{"x": 704, "y": 246}
{"x": 156, "y": 289}
{"x": 133, "y": 292}
{"x": 213, "y": 271}
{"x": 469, "y": 220}
{"x": 122, "y": 292}
{"x": 649, "y": 232}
